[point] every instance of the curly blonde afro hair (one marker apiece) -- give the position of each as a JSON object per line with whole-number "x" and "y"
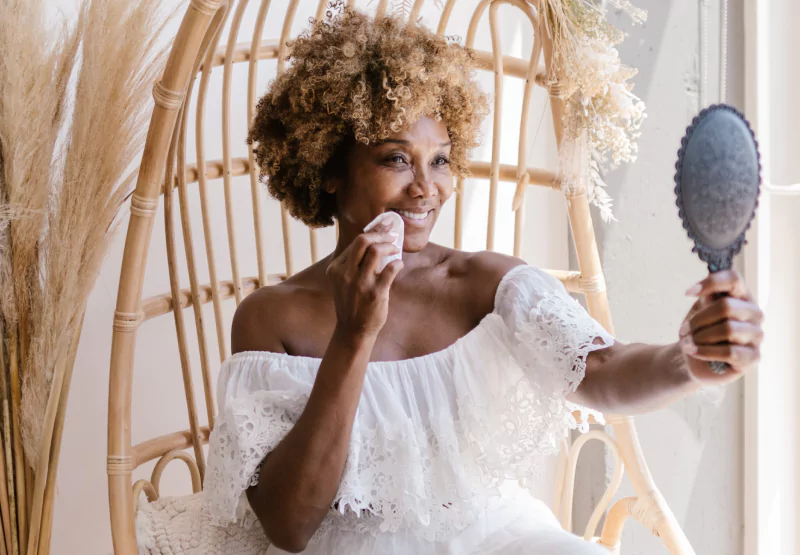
{"x": 354, "y": 78}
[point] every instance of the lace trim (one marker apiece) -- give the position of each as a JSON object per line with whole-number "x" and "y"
{"x": 250, "y": 428}
{"x": 393, "y": 477}
{"x": 552, "y": 349}
{"x": 434, "y": 480}
{"x": 551, "y": 346}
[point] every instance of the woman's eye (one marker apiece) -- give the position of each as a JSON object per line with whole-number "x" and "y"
{"x": 397, "y": 159}
{"x": 441, "y": 161}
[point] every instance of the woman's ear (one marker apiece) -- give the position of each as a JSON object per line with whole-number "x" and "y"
{"x": 335, "y": 171}
{"x": 331, "y": 184}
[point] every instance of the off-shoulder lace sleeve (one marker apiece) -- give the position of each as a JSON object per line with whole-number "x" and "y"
{"x": 551, "y": 335}
{"x": 259, "y": 402}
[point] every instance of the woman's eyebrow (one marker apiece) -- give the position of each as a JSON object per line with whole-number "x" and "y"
{"x": 406, "y": 143}
{"x": 394, "y": 141}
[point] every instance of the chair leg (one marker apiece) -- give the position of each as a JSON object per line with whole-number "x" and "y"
{"x": 649, "y": 507}
{"x": 558, "y": 494}
{"x": 615, "y": 520}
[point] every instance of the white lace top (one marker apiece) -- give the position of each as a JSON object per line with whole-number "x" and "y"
{"x": 434, "y": 436}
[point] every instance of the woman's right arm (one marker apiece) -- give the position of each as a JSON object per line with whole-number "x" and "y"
{"x": 300, "y": 477}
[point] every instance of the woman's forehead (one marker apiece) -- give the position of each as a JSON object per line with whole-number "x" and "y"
{"x": 426, "y": 128}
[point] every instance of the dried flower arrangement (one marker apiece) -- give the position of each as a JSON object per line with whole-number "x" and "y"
{"x": 602, "y": 116}
{"x": 74, "y": 110}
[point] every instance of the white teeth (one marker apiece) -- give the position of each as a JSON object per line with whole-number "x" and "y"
{"x": 413, "y": 215}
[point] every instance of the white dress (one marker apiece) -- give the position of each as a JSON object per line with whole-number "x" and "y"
{"x": 434, "y": 437}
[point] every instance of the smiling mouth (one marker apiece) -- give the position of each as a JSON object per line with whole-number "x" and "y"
{"x": 415, "y": 216}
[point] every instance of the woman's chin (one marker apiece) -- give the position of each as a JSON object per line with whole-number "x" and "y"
{"x": 414, "y": 245}
{"x": 417, "y": 237}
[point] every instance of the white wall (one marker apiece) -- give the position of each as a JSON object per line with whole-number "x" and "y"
{"x": 773, "y": 263}
{"x": 693, "y": 448}
{"x": 81, "y": 512}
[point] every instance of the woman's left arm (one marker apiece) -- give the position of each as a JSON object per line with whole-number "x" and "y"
{"x": 637, "y": 378}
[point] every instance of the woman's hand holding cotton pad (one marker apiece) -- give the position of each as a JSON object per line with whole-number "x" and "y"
{"x": 396, "y": 226}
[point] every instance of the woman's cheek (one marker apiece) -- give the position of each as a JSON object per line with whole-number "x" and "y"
{"x": 446, "y": 189}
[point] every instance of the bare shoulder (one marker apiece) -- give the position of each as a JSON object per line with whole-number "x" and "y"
{"x": 481, "y": 273}
{"x": 266, "y": 317}
{"x": 491, "y": 267}
{"x": 255, "y": 327}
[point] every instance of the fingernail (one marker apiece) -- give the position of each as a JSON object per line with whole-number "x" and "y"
{"x": 691, "y": 348}
{"x": 394, "y": 234}
{"x": 684, "y": 329}
{"x": 694, "y": 290}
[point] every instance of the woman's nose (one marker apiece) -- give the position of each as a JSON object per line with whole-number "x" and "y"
{"x": 423, "y": 185}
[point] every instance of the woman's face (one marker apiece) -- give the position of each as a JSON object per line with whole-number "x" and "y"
{"x": 409, "y": 173}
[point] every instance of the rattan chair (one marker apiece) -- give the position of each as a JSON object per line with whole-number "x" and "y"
{"x": 197, "y": 52}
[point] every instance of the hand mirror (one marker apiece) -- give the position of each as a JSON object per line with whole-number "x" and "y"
{"x": 717, "y": 185}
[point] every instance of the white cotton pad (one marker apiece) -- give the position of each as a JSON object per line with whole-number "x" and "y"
{"x": 396, "y": 226}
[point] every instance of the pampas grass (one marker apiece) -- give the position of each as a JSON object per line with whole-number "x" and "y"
{"x": 33, "y": 106}
{"x": 73, "y": 117}
{"x": 108, "y": 128}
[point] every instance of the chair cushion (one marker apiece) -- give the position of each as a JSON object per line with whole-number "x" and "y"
{"x": 182, "y": 525}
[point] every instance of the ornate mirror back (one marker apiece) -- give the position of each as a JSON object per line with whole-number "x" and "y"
{"x": 717, "y": 183}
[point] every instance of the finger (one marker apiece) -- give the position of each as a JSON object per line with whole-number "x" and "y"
{"x": 726, "y": 281}
{"x": 729, "y": 331}
{"x": 389, "y": 273}
{"x": 735, "y": 355}
{"x": 381, "y": 225}
{"x": 337, "y": 264}
{"x": 729, "y": 308}
{"x": 332, "y": 266}
{"x": 698, "y": 305}
{"x": 369, "y": 264}
{"x": 354, "y": 253}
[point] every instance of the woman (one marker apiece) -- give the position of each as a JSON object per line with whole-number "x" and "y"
{"x": 379, "y": 412}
